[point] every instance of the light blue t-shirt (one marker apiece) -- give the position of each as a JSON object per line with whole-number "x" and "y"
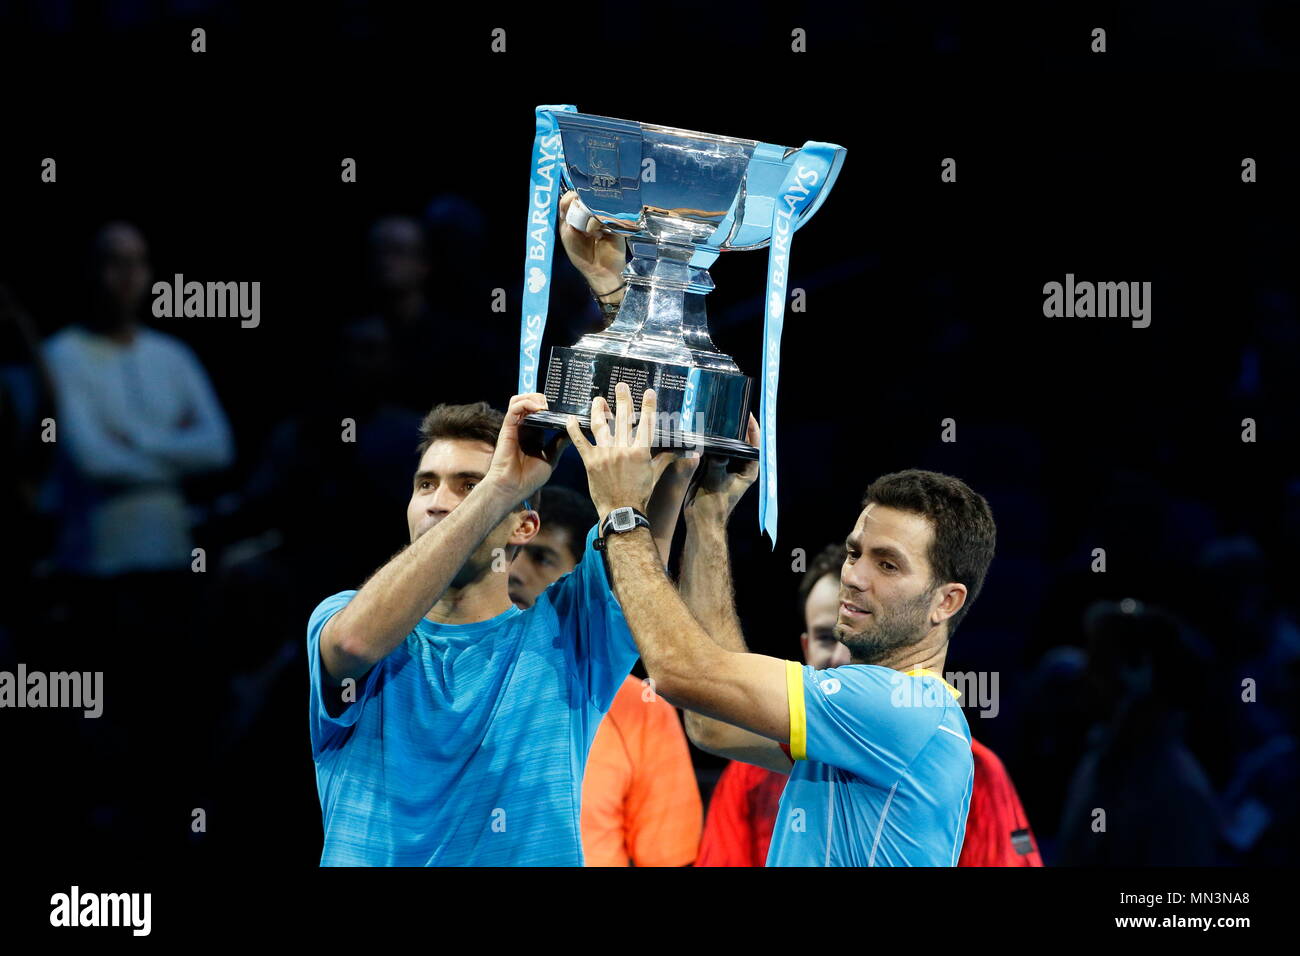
{"x": 466, "y": 745}
{"x": 883, "y": 769}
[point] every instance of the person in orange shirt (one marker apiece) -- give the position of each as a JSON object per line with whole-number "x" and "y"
{"x": 640, "y": 801}
{"x": 743, "y": 808}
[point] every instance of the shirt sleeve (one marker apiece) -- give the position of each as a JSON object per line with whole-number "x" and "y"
{"x": 664, "y": 811}
{"x": 593, "y": 626}
{"x": 331, "y": 730}
{"x": 868, "y": 721}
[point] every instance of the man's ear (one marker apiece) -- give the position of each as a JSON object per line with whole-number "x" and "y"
{"x": 527, "y": 524}
{"x": 954, "y": 597}
{"x": 803, "y": 642}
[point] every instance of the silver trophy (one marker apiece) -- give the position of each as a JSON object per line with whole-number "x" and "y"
{"x": 679, "y": 197}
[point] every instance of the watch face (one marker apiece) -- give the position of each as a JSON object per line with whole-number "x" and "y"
{"x": 622, "y": 519}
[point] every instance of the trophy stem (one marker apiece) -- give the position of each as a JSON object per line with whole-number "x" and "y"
{"x": 662, "y": 315}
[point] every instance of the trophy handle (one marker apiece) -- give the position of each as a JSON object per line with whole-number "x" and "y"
{"x": 807, "y": 212}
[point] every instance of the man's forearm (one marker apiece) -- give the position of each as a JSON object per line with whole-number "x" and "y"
{"x": 393, "y": 600}
{"x": 665, "y": 507}
{"x": 690, "y": 668}
{"x": 705, "y": 582}
{"x": 672, "y": 643}
{"x": 706, "y": 588}
{"x": 742, "y": 695}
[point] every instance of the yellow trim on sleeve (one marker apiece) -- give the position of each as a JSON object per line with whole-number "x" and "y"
{"x": 798, "y": 716}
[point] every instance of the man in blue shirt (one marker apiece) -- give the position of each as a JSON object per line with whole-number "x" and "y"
{"x": 448, "y": 727}
{"x": 881, "y": 753}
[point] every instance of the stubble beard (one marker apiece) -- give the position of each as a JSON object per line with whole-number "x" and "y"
{"x": 889, "y": 631}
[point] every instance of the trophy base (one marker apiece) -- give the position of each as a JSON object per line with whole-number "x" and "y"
{"x": 728, "y": 447}
{"x": 698, "y": 409}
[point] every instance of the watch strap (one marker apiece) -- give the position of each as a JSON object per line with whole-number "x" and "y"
{"x": 606, "y": 526}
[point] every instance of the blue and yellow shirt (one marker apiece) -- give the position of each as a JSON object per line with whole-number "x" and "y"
{"x": 882, "y": 770}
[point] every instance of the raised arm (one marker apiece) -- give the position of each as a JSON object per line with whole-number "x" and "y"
{"x": 706, "y": 588}
{"x": 689, "y": 669}
{"x": 665, "y": 506}
{"x": 600, "y": 258}
{"x": 389, "y": 605}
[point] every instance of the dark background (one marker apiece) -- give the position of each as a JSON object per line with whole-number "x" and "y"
{"x": 924, "y": 301}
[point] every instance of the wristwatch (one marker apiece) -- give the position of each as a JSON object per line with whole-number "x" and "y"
{"x": 618, "y": 521}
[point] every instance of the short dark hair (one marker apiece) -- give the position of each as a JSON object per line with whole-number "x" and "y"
{"x": 829, "y": 561}
{"x": 565, "y": 508}
{"x": 964, "y": 533}
{"x": 476, "y": 422}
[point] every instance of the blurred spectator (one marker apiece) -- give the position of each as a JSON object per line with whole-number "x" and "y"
{"x": 340, "y": 466}
{"x": 449, "y": 326}
{"x": 136, "y": 413}
{"x": 640, "y": 802}
{"x": 1158, "y": 805}
{"x": 465, "y": 290}
{"x": 399, "y": 268}
{"x": 458, "y": 233}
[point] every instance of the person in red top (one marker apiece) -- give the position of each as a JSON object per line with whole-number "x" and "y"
{"x": 997, "y": 830}
{"x": 742, "y": 814}
{"x": 742, "y": 811}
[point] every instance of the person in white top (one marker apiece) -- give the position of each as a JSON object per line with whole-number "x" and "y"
{"x": 135, "y": 413}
